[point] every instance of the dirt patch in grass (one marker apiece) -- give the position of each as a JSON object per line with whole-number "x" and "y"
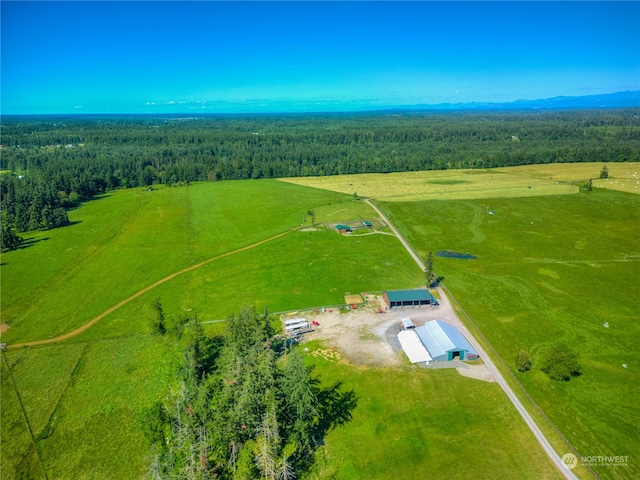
{"x": 353, "y": 299}
{"x": 4, "y": 327}
{"x": 479, "y": 372}
{"x": 368, "y": 335}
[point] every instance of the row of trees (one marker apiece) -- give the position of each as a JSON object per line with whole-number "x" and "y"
{"x": 245, "y": 406}
{"x": 54, "y": 163}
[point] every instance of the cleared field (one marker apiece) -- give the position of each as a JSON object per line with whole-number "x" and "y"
{"x": 81, "y": 397}
{"x": 415, "y": 423}
{"x": 324, "y": 267}
{"x": 82, "y": 401}
{"x": 623, "y": 177}
{"x": 438, "y": 185}
{"x": 130, "y": 239}
{"x": 548, "y": 269}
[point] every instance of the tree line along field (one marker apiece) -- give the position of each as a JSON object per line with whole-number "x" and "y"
{"x": 50, "y": 164}
{"x": 70, "y": 409}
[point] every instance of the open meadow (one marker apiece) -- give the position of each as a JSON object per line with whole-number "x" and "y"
{"x": 69, "y": 409}
{"x": 505, "y": 182}
{"x": 130, "y": 239}
{"x": 416, "y": 423}
{"x": 551, "y": 269}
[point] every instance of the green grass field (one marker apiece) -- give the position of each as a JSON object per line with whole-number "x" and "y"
{"x": 130, "y": 239}
{"x": 325, "y": 266}
{"x": 80, "y": 397}
{"x": 551, "y": 268}
{"x": 82, "y": 402}
{"x": 415, "y": 423}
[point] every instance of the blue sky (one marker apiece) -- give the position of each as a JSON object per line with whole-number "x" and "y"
{"x": 152, "y": 57}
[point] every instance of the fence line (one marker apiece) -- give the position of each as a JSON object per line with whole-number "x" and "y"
{"x": 513, "y": 377}
{"x": 24, "y": 415}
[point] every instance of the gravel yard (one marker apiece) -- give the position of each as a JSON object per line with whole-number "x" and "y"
{"x": 366, "y": 337}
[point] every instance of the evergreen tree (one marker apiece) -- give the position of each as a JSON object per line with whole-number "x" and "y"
{"x": 604, "y": 173}
{"x": 8, "y": 238}
{"x": 429, "y": 274}
{"x": 301, "y": 399}
{"x": 589, "y": 185}
{"x": 235, "y": 421}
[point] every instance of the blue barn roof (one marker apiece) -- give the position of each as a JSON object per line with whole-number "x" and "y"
{"x": 441, "y": 338}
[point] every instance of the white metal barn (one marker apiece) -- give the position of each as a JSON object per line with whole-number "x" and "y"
{"x": 413, "y": 347}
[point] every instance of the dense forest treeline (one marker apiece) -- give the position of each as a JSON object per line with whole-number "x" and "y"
{"x": 55, "y": 162}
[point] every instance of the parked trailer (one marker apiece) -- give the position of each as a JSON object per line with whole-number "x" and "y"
{"x": 293, "y": 321}
{"x": 294, "y": 326}
{"x": 301, "y": 331}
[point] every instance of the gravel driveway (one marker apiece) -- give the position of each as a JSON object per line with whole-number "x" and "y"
{"x": 366, "y": 337}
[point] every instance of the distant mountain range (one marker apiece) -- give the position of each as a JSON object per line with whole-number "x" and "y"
{"x": 610, "y": 100}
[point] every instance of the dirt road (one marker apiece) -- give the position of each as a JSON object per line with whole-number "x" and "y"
{"x": 78, "y": 331}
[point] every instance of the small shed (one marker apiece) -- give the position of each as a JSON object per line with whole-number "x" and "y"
{"x": 408, "y": 298}
{"x": 444, "y": 342}
{"x": 367, "y": 223}
{"x": 343, "y": 228}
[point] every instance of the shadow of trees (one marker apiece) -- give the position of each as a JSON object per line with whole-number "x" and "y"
{"x": 29, "y": 242}
{"x": 335, "y": 408}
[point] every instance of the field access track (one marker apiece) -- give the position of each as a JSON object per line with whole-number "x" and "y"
{"x": 89, "y": 324}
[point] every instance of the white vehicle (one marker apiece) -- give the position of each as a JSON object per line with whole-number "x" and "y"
{"x": 407, "y": 324}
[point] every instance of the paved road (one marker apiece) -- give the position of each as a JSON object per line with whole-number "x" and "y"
{"x": 546, "y": 446}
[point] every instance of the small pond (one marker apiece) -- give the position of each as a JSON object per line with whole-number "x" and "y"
{"x": 452, "y": 254}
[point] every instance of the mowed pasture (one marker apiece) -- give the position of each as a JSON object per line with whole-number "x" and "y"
{"x": 438, "y": 185}
{"x": 505, "y": 182}
{"x": 130, "y": 239}
{"x": 624, "y": 177}
{"x": 69, "y": 410}
{"x": 552, "y": 268}
{"x": 415, "y": 423}
{"x": 324, "y": 266}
